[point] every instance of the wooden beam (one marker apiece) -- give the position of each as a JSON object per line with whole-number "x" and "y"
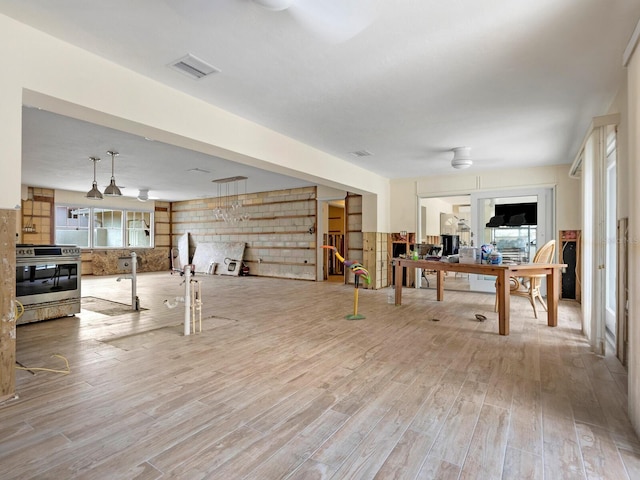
{"x": 7, "y": 304}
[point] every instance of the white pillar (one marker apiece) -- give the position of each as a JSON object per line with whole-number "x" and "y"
{"x": 187, "y": 300}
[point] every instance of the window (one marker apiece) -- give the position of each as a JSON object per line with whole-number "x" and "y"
{"x": 72, "y": 226}
{"x": 107, "y": 228}
{"x": 93, "y": 227}
{"x": 138, "y": 229}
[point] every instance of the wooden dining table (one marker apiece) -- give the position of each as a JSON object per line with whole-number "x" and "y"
{"x": 502, "y": 274}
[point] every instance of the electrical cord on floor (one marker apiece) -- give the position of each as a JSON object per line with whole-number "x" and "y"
{"x": 19, "y": 313}
{"x": 42, "y": 369}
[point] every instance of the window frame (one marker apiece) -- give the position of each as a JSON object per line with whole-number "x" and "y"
{"x": 92, "y": 225}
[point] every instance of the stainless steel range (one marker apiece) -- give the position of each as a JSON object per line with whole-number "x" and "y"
{"x": 47, "y": 281}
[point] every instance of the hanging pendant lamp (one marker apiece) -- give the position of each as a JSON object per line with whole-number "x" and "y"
{"x": 94, "y": 193}
{"x": 112, "y": 190}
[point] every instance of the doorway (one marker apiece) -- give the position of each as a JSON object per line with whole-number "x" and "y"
{"x": 335, "y": 238}
{"x": 450, "y": 217}
{"x": 467, "y": 216}
{"x": 331, "y": 230}
{"x": 611, "y": 217}
{"x": 515, "y": 222}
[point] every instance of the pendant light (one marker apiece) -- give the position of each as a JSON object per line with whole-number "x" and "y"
{"x": 94, "y": 193}
{"x": 112, "y": 190}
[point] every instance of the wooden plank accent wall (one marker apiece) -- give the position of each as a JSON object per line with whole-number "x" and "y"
{"x": 277, "y": 233}
{"x": 8, "y": 221}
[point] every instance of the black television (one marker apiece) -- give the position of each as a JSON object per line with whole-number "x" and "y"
{"x": 517, "y": 214}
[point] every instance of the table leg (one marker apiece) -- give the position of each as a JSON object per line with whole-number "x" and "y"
{"x": 504, "y": 302}
{"x": 553, "y": 293}
{"x": 398, "y": 283}
{"x": 440, "y": 285}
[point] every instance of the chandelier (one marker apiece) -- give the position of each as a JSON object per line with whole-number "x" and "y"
{"x": 228, "y": 205}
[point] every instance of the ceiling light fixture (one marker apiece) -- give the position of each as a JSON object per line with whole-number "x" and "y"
{"x": 275, "y": 5}
{"x": 230, "y": 208}
{"x": 461, "y": 157}
{"x": 143, "y": 194}
{"x": 112, "y": 190}
{"x": 94, "y": 193}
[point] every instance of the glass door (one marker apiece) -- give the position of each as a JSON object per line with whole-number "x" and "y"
{"x": 611, "y": 244}
{"x": 514, "y": 222}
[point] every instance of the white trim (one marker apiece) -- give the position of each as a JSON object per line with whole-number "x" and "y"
{"x": 631, "y": 46}
{"x": 546, "y": 200}
{"x": 600, "y": 121}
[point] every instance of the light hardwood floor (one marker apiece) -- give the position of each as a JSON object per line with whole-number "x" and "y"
{"x": 280, "y": 385}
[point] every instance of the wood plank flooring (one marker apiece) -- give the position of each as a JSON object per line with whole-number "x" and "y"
{"x": 280, "y": 386}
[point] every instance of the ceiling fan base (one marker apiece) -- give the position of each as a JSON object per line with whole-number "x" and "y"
{"x": 275, "y": 5}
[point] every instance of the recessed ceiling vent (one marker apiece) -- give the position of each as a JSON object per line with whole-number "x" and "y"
{"x": 362, "y": 153}
{"x": 193, "y": 67}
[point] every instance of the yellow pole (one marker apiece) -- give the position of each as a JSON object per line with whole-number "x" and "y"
{"x": 355, "y": 302}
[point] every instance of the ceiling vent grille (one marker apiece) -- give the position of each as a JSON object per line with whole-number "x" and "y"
{"x": 193, "y": 67}
{"x": 362, "y": 153}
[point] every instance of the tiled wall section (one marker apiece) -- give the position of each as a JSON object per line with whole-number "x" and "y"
{"x": 277, "y": 234}
{"x": 376, "y": 260}
{"x": 37, "y": 217}
{"x": 368, "y": 248}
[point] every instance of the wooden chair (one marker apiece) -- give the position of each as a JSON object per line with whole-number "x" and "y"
{"x": 532, "y": 283}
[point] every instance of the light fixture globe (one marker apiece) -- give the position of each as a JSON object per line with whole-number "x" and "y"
{"x": 461, "y": 157}
{"x": 94, "y": 193}
{"x": 275, "y": 5}
{"x": 112, "y": 190}
{"x": 143, "y": 194}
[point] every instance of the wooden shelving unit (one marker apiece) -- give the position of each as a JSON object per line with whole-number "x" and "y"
{"x": 569, "y": 253}
{"x": 400, "y": 244}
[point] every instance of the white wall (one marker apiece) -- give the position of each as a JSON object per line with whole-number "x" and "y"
{"x": 404, "y": 192}
{"x": 633, "y": 145}
{"x": 434, "y": 207}
{"x": 624, "y": 182}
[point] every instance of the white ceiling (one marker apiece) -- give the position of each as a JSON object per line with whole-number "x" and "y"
{"x": 517, "y": 81}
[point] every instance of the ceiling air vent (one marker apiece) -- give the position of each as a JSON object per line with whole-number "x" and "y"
{"x": 193, "y": 67}
{"x": 362, "y": 153}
